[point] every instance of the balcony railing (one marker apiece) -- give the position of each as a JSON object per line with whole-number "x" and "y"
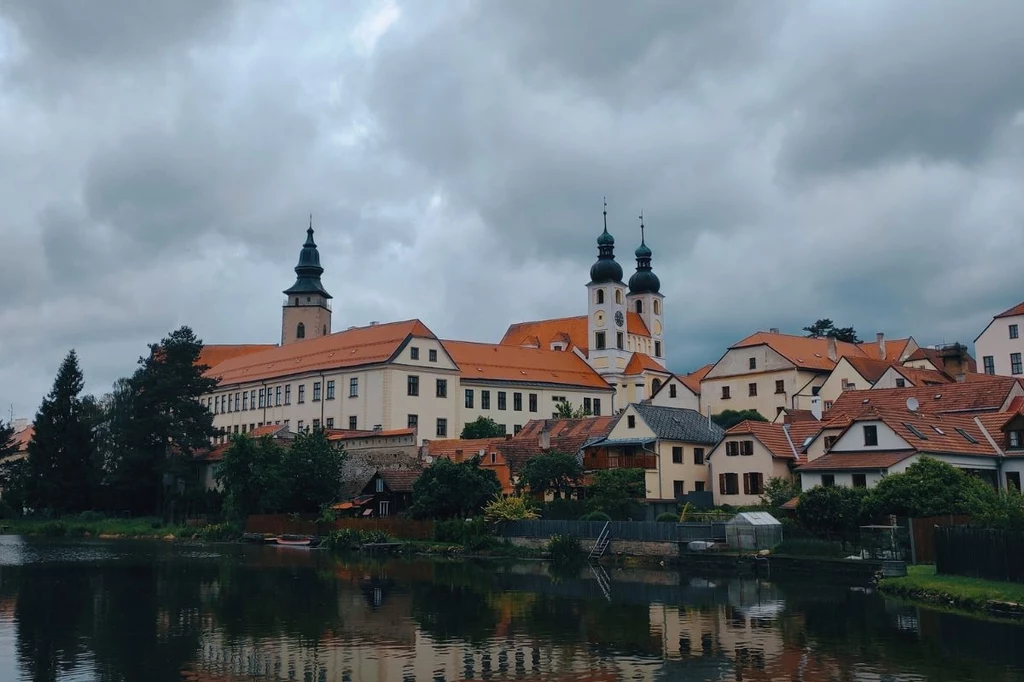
{"x": 615, "y": 461}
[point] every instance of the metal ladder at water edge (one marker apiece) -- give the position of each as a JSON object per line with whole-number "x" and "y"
{"x": 603, "y": 539}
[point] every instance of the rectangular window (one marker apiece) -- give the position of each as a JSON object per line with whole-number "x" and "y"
{"x": 263, "y": 397}
{"x": 236, "y": 428}
{"x": 753, "y": 483}
{"x": 1015, "y": 367}
{"x": 597, "y": 407}
{"x": 301, "y": 425}
{"x": 698, "y": 456}
{"x": 277, "y": 395}
{"x": 517, "y": 402}
{"x": 901, "y": 383}
{"x": 726, "y": 393}
{"x": 228, "y": 403}
{"x": 414, "y": 353}
{"x": 677, "y": 454}
{"x": 238, "y": 397}
{"x": 698, "y": 486}
{"x": 302, "y": 393}
{"x": 316, "y": 391}
{"x": 671, "y": 390}
{"x": 1014, "y": 332}
{"x": 413, "y": 421}
{"x": 469, "y": 398}
{"x": 432, "y": 355}
{"x": 828, "y": 480}
{"x": 870, "y": 435}
{"x": 330, "y": 389}
{"x": 729, "y": 484}
{"x": 747, "y": 448}
{"x": 618, "y": 340}
{"x": 752, "y": 390}
{"x": 860, "y": 481}
{"x": 678, "y": 489}
{"x": 516, "y": 429}
{"x": 379, "y": 485}
{"x": 1014, "y": 440}
{"x": 442, "y": 388}
{"x": 657, "y": 349}
{"x": 245, "y": 400}
{"x": 752, "y": 363}
{"x": 533, "y": 402}
{"x": 353, "y": 387}
{"x": 316, "y": 424}
{"x": 330, "y": 422}
{"x": 631, "y": 421}
{"x": 442, "y": 427}
{"x": 353, "y": 423}
{"x": 830, "y": 441}
{"x": 990, "y": 364}
{"x": 599, "y": 340}
{"x": 287, "y": 394}
{"x": 587, "y": 407}
{"x": 412, "y": 385}
{"x": 732, "y": 448}
{"x": 780, "y": 385}
{"x": 1013, "y": 480}
{"x": 501, "y": 400}
{"x": 485, "y": 400}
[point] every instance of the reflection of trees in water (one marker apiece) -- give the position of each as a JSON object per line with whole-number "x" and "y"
{"x": 51, "y": 612}
{"x": 450, "y": 612}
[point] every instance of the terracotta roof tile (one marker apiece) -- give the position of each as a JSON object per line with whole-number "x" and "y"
{"x": 894, "y": 349}
{"x": 214, "y": 354}
{"x": 400, "y": 480}
{"x": 771, "y": 436}
{"x": 1015, "y": 310}
{"x": 355, "y": 434}
{"x": 871, "y": 369}
{"x": 795, "y": 416}
{"x": 635, "y": 325}
{"x": 458, "y": 449}
{"x": 351, "y": 348}
{"x": 935, "y": 356}
{"x": 980, "y": 395}
{"x": 216, "y": 453}
{"x": 923, "y": 377}
{"x": 22, "y": 438}
{"x": 641, "y": 362}
{"x": 514, "y": 363}
{"x": 856, "y": 461}
{"x": 802, "y": 351}
{"x": 571, "y": 330}
{"x": 566, "y": 435}
{"x": 693, "y": 379}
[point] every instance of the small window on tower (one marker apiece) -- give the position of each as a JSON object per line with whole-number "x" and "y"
{"x": 618, "y": 296}
{"x": 599, "y": 340}
{"x": 657, "y": 307}
{"x": 300, "y": 331}
{"x": 600, "y": 297}
{"x": 640, "y": 307}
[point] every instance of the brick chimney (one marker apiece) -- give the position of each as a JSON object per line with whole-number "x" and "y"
{"x": 544, "y": 440}
{"x": 833, "y": 353}
{"x": 880, "y": 338}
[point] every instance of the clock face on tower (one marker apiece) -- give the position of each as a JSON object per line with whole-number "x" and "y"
{"x": 619, "y": 318}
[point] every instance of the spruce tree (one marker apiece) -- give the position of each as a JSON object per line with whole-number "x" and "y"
{"x": 62, "y": 473}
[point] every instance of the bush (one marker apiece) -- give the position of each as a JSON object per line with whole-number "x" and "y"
{"x": 218, "y": 531}
{"x": 6, "y": 512}
{"x": 667, "y": 518}
{"x": 563, "y": 510}
{"x": 343, "y": 539}
{"x": 460, "y": 532}
{"x": 565, "y": 550}
{"x": 595, "y": 516}
{"x": 54, "y": 528}
{"x": 91, "y": 516}
{"x": 513, "y": 508}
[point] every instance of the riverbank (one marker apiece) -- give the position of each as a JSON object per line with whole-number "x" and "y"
{"x": 967, "y": 594}
{"x": 113, "y": 528}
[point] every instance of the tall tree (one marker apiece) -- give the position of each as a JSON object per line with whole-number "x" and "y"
{"x": 311, "y": 470}
{"x": 448, "y": 490}
{"x": 12, "y": 471}
{"x": 158, "y": 420}
{"x": 62, "y": 472}
{"x": 558, "y": 472}
{"x": 617, "y": 492}
{"x": 251, "y": 475}
{"x": 825, "y": 327}
{"x": 482, "y": 427}
{"x": 7, "y": 445}
{"x": 565, "y": 410}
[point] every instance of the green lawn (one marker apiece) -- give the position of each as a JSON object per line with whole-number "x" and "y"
{"x": 921, "y": 582}
{"x": 93, "y": 526}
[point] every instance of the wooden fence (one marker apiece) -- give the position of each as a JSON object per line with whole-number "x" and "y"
{"x": 620, "y": 530}
{"x": 283, "y": 524}
{"x": 980, "y": 553}
{"x": 922, "y": 535}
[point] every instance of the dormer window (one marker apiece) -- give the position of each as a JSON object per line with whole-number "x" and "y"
{"x": 1016, "y": 437}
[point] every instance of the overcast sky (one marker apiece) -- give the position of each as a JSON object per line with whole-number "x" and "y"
{"x": 860, "y": 160}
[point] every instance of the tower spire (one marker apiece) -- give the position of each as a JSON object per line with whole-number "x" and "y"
{"x": 642, "y": 227}
{"x": 643, "y": 280}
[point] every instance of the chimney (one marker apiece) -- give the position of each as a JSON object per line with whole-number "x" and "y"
{"x": 20, "y": 424}
{"x": 833, "y": 354}
{"x": 880, "y": 338}
{"x": 773, "y": 330}
{"x": 816, "y": 407}
{"x": 545, "y": 438}
{"x": 508, "y": 436}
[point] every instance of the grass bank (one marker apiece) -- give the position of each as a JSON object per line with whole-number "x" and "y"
{"x": 971, "y": 594}
{"x": 89, "y": 525}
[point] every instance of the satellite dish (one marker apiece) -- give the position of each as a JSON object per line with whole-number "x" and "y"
{"x": 912, "y": 404}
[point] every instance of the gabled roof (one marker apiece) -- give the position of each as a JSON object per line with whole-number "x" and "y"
{"x": 356, "y": 434}
{"x": 1011, "y": 312}
{"x": 774, "y": 436}
{"x": 458, "y": 449}
{"x": 216, "y": 453}
{"x": 931, "y": 433}
{"x": 22, "y": 438}
{"x": 803, "y": 351}
{"x": 351, "y": 348}
{"x": 399, "y": 480}
{"x": 937, "y": 358}
{"x": 487, "y": 361}
{"x": 693, "y": 379}
{"x": 641, "y": 362}
{"x": 561, "y": 329}
{"x": 793, "y": 416}
{"x": 870, "y": 368}
{"x": 977, "y": 395}
{"x": 857, "y": 461}
{"x": 214, "y": 354}
{"x": 894, "y": 349}
{"x": 677, "y": 423}
{"x": 922, "y": 377}
{"x": 565, "y": 435}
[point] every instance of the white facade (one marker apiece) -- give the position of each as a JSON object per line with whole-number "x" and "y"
{"x": 1000, "y": 347}
{"x": 674, "y": 393}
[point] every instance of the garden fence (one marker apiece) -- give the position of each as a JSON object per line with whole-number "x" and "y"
{"x": 980, "y": 553}
{"x": 620, "y": 530}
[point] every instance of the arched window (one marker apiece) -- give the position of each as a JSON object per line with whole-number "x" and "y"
{"x": 655, "y": 385}
{"x": 600, "y": 296}
{"x": 657, "y": 307}
{"x": 300, "y": 331}
{"x": 618, "y": 296}
{"x": 639, "y": 307}
{"x": 325, "y": 330}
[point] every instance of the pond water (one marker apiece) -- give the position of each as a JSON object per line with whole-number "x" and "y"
{"x": 122, "y": 610}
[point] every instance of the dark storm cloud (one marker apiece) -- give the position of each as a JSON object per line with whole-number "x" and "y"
{"x": 859, "y": 161}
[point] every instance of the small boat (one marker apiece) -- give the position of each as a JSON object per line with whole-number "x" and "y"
{"x": 297, "y": 541}
{"x": 257, "y": 538}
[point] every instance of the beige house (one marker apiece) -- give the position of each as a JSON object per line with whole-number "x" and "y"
{"x": 752, "y": 453}
{"x": 851, "y": 374}
{"x": 899, "y": 376}
{"x": 670, "y": 444}
{"x": 999, "y": 346}
{"x": 680, "y": 391}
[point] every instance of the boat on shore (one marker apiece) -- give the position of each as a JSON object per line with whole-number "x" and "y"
{"x": 297, "y": 541}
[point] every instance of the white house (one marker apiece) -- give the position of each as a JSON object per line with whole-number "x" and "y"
{"x": 1000, "y": 346}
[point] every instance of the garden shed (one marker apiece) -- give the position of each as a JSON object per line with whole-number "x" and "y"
{"x": 753, "y": 531}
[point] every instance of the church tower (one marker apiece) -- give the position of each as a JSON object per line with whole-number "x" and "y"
{"x": 606, "y": 318}
{"x": 645, "y": 297}
{"x": 307, "y": 308}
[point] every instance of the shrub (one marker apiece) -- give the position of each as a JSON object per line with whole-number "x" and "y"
{"x": 667, "y": 518}
{"x": 512, "y": 508}
{"x": 54, "y": 528}
{"x": 6, "y": 511}
{"x": 595, "y": 516}
{"x": 346, "y": 538}
{"x": 460, "y": 532}
{"x": 375, "y": 537}
{"x": 91, "y": 516}
{"x": 565, "y": 550}
{"x": 563, "y": 510}
{"x": 218, "y": 531}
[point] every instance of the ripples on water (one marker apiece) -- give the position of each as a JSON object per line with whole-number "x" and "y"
{"x": 122, "y": 610}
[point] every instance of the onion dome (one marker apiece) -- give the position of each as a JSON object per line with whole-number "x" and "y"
{"x": 643, "y": 281}
{"x": 606, "y": 269}
{"x": 308, "y": 270}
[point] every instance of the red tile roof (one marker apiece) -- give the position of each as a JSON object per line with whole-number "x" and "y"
{"x": 216, "y": 453}
{"x": 693, "y": 379}
{"x": 939, "y": 434}
{"x": 923, "y": 377}
{"x": 894, "y": 349}
{"x": 458, "y": 449}
{"x": 977, "y": 395}
{"x": 804, "y": 352}
{"x": 355, "y": 434}
{"x": 936, "y": 357}
{"x": 870, "y": 368}
{"x": 773, "y": 436}
{"x": 1015, "y": 310}
{"x": 351, "y": 348}
{"x": 856, "y": 461}
{"x": 516, "y": 363}
{"x": 214, "y": 354}
{"x": 400, "y": 480}
{"x": 794, "y": 416}
{"x": 641, "y": 362}
{"x": 22, "y": 438}
{"x": 565, "y": 435}
{"x": 571, "y": 330}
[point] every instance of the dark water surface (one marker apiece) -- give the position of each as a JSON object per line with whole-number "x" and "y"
{"x": 94, "y": 610}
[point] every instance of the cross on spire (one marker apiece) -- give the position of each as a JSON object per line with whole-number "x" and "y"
{"x": 605, "y": 199}
{"x": 641, "y": 226}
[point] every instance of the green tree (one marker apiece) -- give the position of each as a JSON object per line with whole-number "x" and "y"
{"x": 617, "y": 492}
{"x": 7, "y": 445}
{"x": 251, "y": 476}
{"x": 931, "y": 488}
{"x": 778, "y": 491}
{"x": 833, "y": 512}
{"x": 730, "y": 418}
{"x": 61, "y": 470}
{"x": 557, "y": 472}
{"x": 565, "y": 410}
{"x": 158, "y": 422}
{"x": 12, "y": 472}
{"x": 448, "y": 490}
{"x": 311, "y": 472}
{"x": 825, "y": 327}
{"x": 482, "y": 427}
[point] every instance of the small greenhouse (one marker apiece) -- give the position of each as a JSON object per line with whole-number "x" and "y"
{"x": 753, "y": 531}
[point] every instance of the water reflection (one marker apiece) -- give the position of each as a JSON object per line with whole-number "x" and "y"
{"x": 153, "y": 611}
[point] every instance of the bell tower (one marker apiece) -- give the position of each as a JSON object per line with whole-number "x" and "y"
{"x": 645, "y": 297}
{"x": 607, "y": 349}
{"x": 307, "y": 307}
